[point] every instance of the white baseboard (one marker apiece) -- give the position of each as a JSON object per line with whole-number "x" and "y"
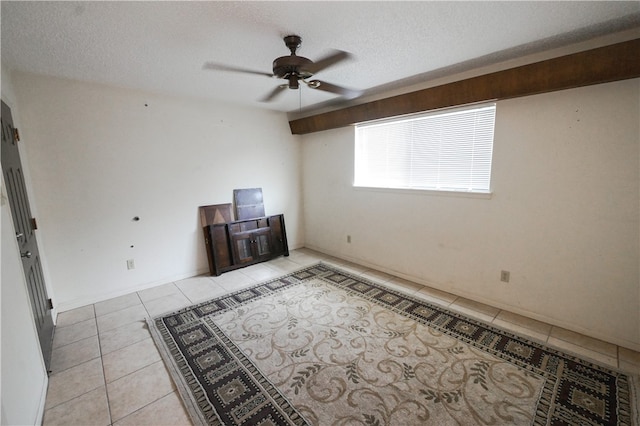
{"x": 84, "y": 301}
{"x": 43, "y": 400}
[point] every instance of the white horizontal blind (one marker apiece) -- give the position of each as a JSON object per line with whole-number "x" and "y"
{"x": 447, "y": 151}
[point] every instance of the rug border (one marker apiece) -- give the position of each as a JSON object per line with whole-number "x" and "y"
{"x": 194, "y": 412}
{"x": 198, "y": 418}
{"x": 635, "y": 397}
{"x": 489, "y": 325}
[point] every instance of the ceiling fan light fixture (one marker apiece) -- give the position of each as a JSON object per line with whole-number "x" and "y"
{"x": 293, "y": 82}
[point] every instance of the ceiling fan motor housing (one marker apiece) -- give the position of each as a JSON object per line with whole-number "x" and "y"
{"x": 285, "y": 66}
{"x": 292, "y": 67}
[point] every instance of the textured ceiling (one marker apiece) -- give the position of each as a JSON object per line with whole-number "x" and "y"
{"x": 162, "y": 46}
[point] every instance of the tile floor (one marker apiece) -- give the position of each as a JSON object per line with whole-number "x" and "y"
{"x": 106, "y": 369}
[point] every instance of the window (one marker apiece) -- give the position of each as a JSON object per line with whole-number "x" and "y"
{"x": 443, "y": 151}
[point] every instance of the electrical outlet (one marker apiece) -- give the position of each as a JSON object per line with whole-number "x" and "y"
{"x": 505, "y": 276}
{"x": 349, "y": 239}
{"x": 131, "y": 264}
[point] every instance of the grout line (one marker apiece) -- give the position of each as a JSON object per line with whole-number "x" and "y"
{"x": 91, "y": 390}
{"x": 121, "y": 309}
{"x": 141, "y": 368}
{"x": 145, "y": 406}
{"x": 145, "y": 308}
{"x": 182, "y": 292}
{"x": 104, "y": 376}
{"x": 158, "y": 297}
{"x": 129, "y": 344}
{"x": 74, "y": 398}
{"x": 173, "y": 389}
{"x": 75, "y": 341}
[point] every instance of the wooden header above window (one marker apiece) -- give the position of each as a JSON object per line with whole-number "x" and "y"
{"x": 602, "y": 65}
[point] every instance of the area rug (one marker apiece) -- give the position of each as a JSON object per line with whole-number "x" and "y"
{"x": 322, "y": 346}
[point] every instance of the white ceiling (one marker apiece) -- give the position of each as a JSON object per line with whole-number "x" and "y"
{"x": 162, "y": 46}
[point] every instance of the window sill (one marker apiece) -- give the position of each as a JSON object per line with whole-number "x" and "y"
{"x": 430, "y": 192}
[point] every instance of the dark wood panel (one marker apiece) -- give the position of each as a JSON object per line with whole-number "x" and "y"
{"x": 241, "y": 243}
{"x": 602, "y": 65}
{"x": 210, "y": 215}
{"x": 215, "y": 213}
{"x": 249, "y": 203}
{"x": 279, "y": 235}
{"x": 220, "y": 248}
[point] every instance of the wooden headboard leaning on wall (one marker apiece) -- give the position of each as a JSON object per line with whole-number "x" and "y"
{"x": 602, "y": 65}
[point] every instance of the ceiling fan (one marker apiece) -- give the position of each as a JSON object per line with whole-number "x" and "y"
{"x": 295, "y": 69}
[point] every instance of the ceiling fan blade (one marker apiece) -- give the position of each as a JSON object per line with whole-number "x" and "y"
{"x": 328, "y": 87}
{"x": 220, "y": 67}
{"x": 275, "y": 92}
{"x": 327, "y": 61}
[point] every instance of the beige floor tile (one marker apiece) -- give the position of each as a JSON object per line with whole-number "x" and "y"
{"x": 74, "y": 382}
{"x": 282, "y": 265}
{"x": 522, "y": 331}
{"x": 234, "y": 281}
{"x": 90, "y": 408}
{"x": 74, "y": 332}
{"x": 586, "y": 342}
{"x": 406, "y": 286}
{"x": 475, "y": 309}
{"x": 231, "y": 277}
{"x": 117, "y": 304}
{"x": 629, "y": 360}
{"x": 166, "y": 304}
{"x": 199, "y": 289}
{"x": 122, "y": 317}
{"x": 73, "y": 354}
{"x": 307, "y": 251}
{"x": 337, "y": 262}
{"x": 347, "y": 266}
{"x": 581, "y": 351}
{"x": 262, "y": 272}
{"x": 158, "y": 292}
{"x": 303, "y": 259}
{"x": 378, "y": 276}
{"x": 128, "y": 334}
{"x": 537, "y": 329}
{"x": 73, "y": 316}
{"x": 124, "y": 361}
{"x": 138, "y": 389}
{"x": 167, "y": 411}
{"x": 436, "y": 296}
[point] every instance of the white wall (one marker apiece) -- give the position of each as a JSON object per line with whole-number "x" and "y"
{"x": 23, "y": 382}
{"x": 563, "y": 218}
{"x": 101, "y": 155}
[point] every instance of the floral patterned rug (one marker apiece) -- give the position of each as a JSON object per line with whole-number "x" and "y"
{"x": 324, "y": 347}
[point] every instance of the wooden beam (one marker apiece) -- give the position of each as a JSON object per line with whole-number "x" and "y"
{"x": 602, "y": 65}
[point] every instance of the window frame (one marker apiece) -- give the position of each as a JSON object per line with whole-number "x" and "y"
{"x": 444, "y": 191}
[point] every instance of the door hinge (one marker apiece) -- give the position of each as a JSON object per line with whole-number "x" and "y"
{"x": 34, "y": 224}
{"x": 50, "y": 303}
{"x": 16, "y": 134}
